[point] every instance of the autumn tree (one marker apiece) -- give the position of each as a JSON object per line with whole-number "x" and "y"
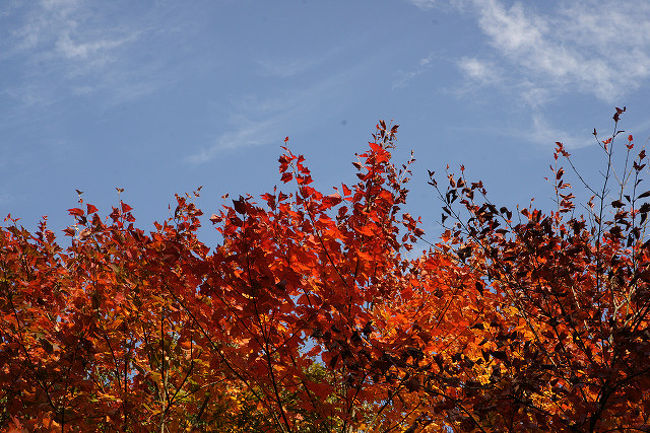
{"x": 271, "y": 331}
{"x": 309, "y": 316}
{"x": 562, "y": 303}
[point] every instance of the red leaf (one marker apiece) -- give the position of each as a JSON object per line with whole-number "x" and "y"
{"x": 618, "y": 113}
{"x": 90, "y": 209}
{"x": 76, "y": 211}
{"x": 240, "y": 205}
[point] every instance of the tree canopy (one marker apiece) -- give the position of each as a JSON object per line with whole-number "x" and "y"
{"x": 315, "y": 313}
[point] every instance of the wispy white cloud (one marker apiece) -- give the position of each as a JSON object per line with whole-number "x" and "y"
{"x": 62, "y": 48}
{"x": 64, "y": 29}
{"x": 28, "y": 94}
{"x": 250, "y": 134}
{"x": 423, "y": 4}
{"x": 545, "y": 51}
{"x": 600, "y": 48}
{"x": 255, "y": 121}
{"x": 85, "y": 50}
{"x": 287, "y": 67}
{"x": 405, "y": 77}
{"x": 544, "y": 134}
{"x": 533, "y": 95}
{"x": 426, "y": 5}
{"x": 478, "y": 71}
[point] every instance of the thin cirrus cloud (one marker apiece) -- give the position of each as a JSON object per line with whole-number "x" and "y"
{"x": 541, "y": 52}
{"x": 424, "y": 4}
{"x": 579, "y": 47}
{"x": 96, "y": 49}
{"x": 596, "y": 47}
{"x": 247, "y": 133}
{"x": 259, "y": 121}
{"x": 64, "y": 45}
{"x": 54, "y": 30}
{"x": 477, "y": 70}
{"x": 405, "y": 77}
{"x": 543, "y": 133}
{"x": 575, "y": 47}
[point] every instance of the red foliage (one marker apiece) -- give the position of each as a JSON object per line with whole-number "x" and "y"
{"x": 309, "y": 316}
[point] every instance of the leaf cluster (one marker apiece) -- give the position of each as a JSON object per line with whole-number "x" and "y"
{"x": 315, "y": 315}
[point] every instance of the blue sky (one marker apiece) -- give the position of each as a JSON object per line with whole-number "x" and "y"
{"x": 159, "y": 96}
